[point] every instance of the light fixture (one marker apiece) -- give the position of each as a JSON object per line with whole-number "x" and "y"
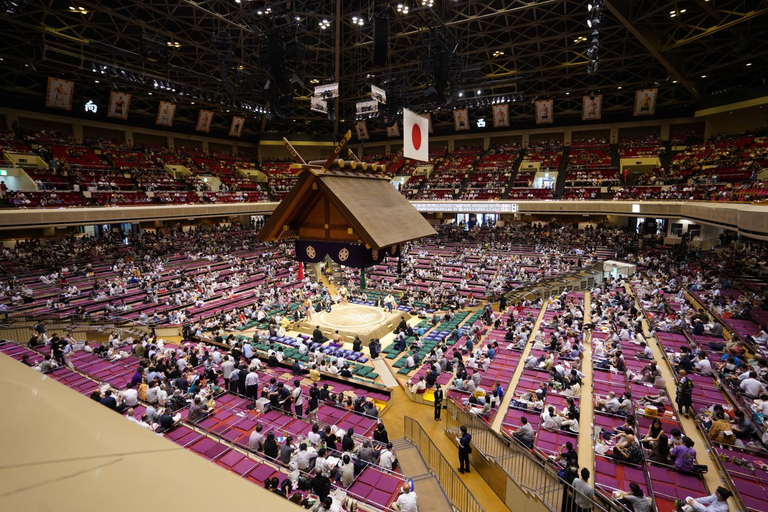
{"x": 579, "y": 39}
{"x": 497, "y": 53}
{"x": 193, "y": 101}
{"x": 703, "y": 76}
{"x": 324, "y": 24}
{"x": 79, "y": 10}
{"x": 479, "y": 92}
{"x": 674, "y": 81}
{"x": 567, "y": 93}
{"x": 461, "y": 95}
{"x": 749, "y": 64}
{"x": 427, "y": 3}
{"x": 619, "y": 87}
{"x": 150, "y": 93}
{"x": 173, "y": 44}
{"x": 95, "y": 81}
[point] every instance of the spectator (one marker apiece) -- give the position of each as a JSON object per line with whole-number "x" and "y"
{"x": 717, "y": 502}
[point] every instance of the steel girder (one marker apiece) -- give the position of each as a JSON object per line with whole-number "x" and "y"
{"x": 526, "y": 47}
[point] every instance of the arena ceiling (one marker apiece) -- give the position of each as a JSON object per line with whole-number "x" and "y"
{"x": 221, "y": 54}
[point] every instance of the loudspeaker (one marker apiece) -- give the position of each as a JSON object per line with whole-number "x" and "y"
{"x": 380, "y": 40}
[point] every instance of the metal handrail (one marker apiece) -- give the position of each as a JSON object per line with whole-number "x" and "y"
{"x": 455, "y": 489}
{"x": 534, "y": 475}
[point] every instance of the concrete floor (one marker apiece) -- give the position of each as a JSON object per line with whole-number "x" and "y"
{"x": 402, "y": 406}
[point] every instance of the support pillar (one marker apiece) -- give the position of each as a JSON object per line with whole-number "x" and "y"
{"x": 362, "y": 278}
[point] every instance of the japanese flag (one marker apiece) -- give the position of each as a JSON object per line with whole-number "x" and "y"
{"x": 415, "y": 136}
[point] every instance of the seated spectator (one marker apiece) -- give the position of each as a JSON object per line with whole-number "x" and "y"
{"x": 634, "y": 500}
{"x": 720, "y": 431}
{"x": 743, "y": 427}
{"x": 198, "y": 411}
{"x": 717, "y": 502}
{"x": 628, "y": 450}
{"x": 525, "y": 433}
{"x": 684, "y": 456}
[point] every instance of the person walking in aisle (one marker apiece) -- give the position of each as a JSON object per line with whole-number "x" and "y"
{"x": 465, "y": 449}
{"x": 438, "y": 401}
{"x": 583, "y": 492}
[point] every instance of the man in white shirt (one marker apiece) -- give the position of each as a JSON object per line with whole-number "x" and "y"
{"x": 407, "y": 501}
{"x": 611, "y": 405}
{"x": 421, "y": 385}
{"x": 256, "y": 439}
{"x": 130, "y": 396}
{"x": 647, "y": 352}
{"x": 304, "y": 457}
{"x": 297, "y": 397}
{"x": 387, "y": 458}
{"x": 252, "y": 384}
{"x": 162, "y": 395}
{"x": 550, "y": 420}
{"x": 152, "y": 392}
{"x": 226, "y": 371}
{"x": 752, "y": 387}
{"x": 703, "y": 366}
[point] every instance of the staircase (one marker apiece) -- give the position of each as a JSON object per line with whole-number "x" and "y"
{"x": 513, "y": 175}
{"x": 431, "y": 496}
{"x": 560, "y": 183}
{"x": 666, "y": 157}
{"x": 313, "y": 272}
{"x": 615, "y": 158}
{"x": 336, "y": 272}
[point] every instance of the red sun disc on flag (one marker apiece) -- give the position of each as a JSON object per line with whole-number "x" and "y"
{"x": 416, "y": 136}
